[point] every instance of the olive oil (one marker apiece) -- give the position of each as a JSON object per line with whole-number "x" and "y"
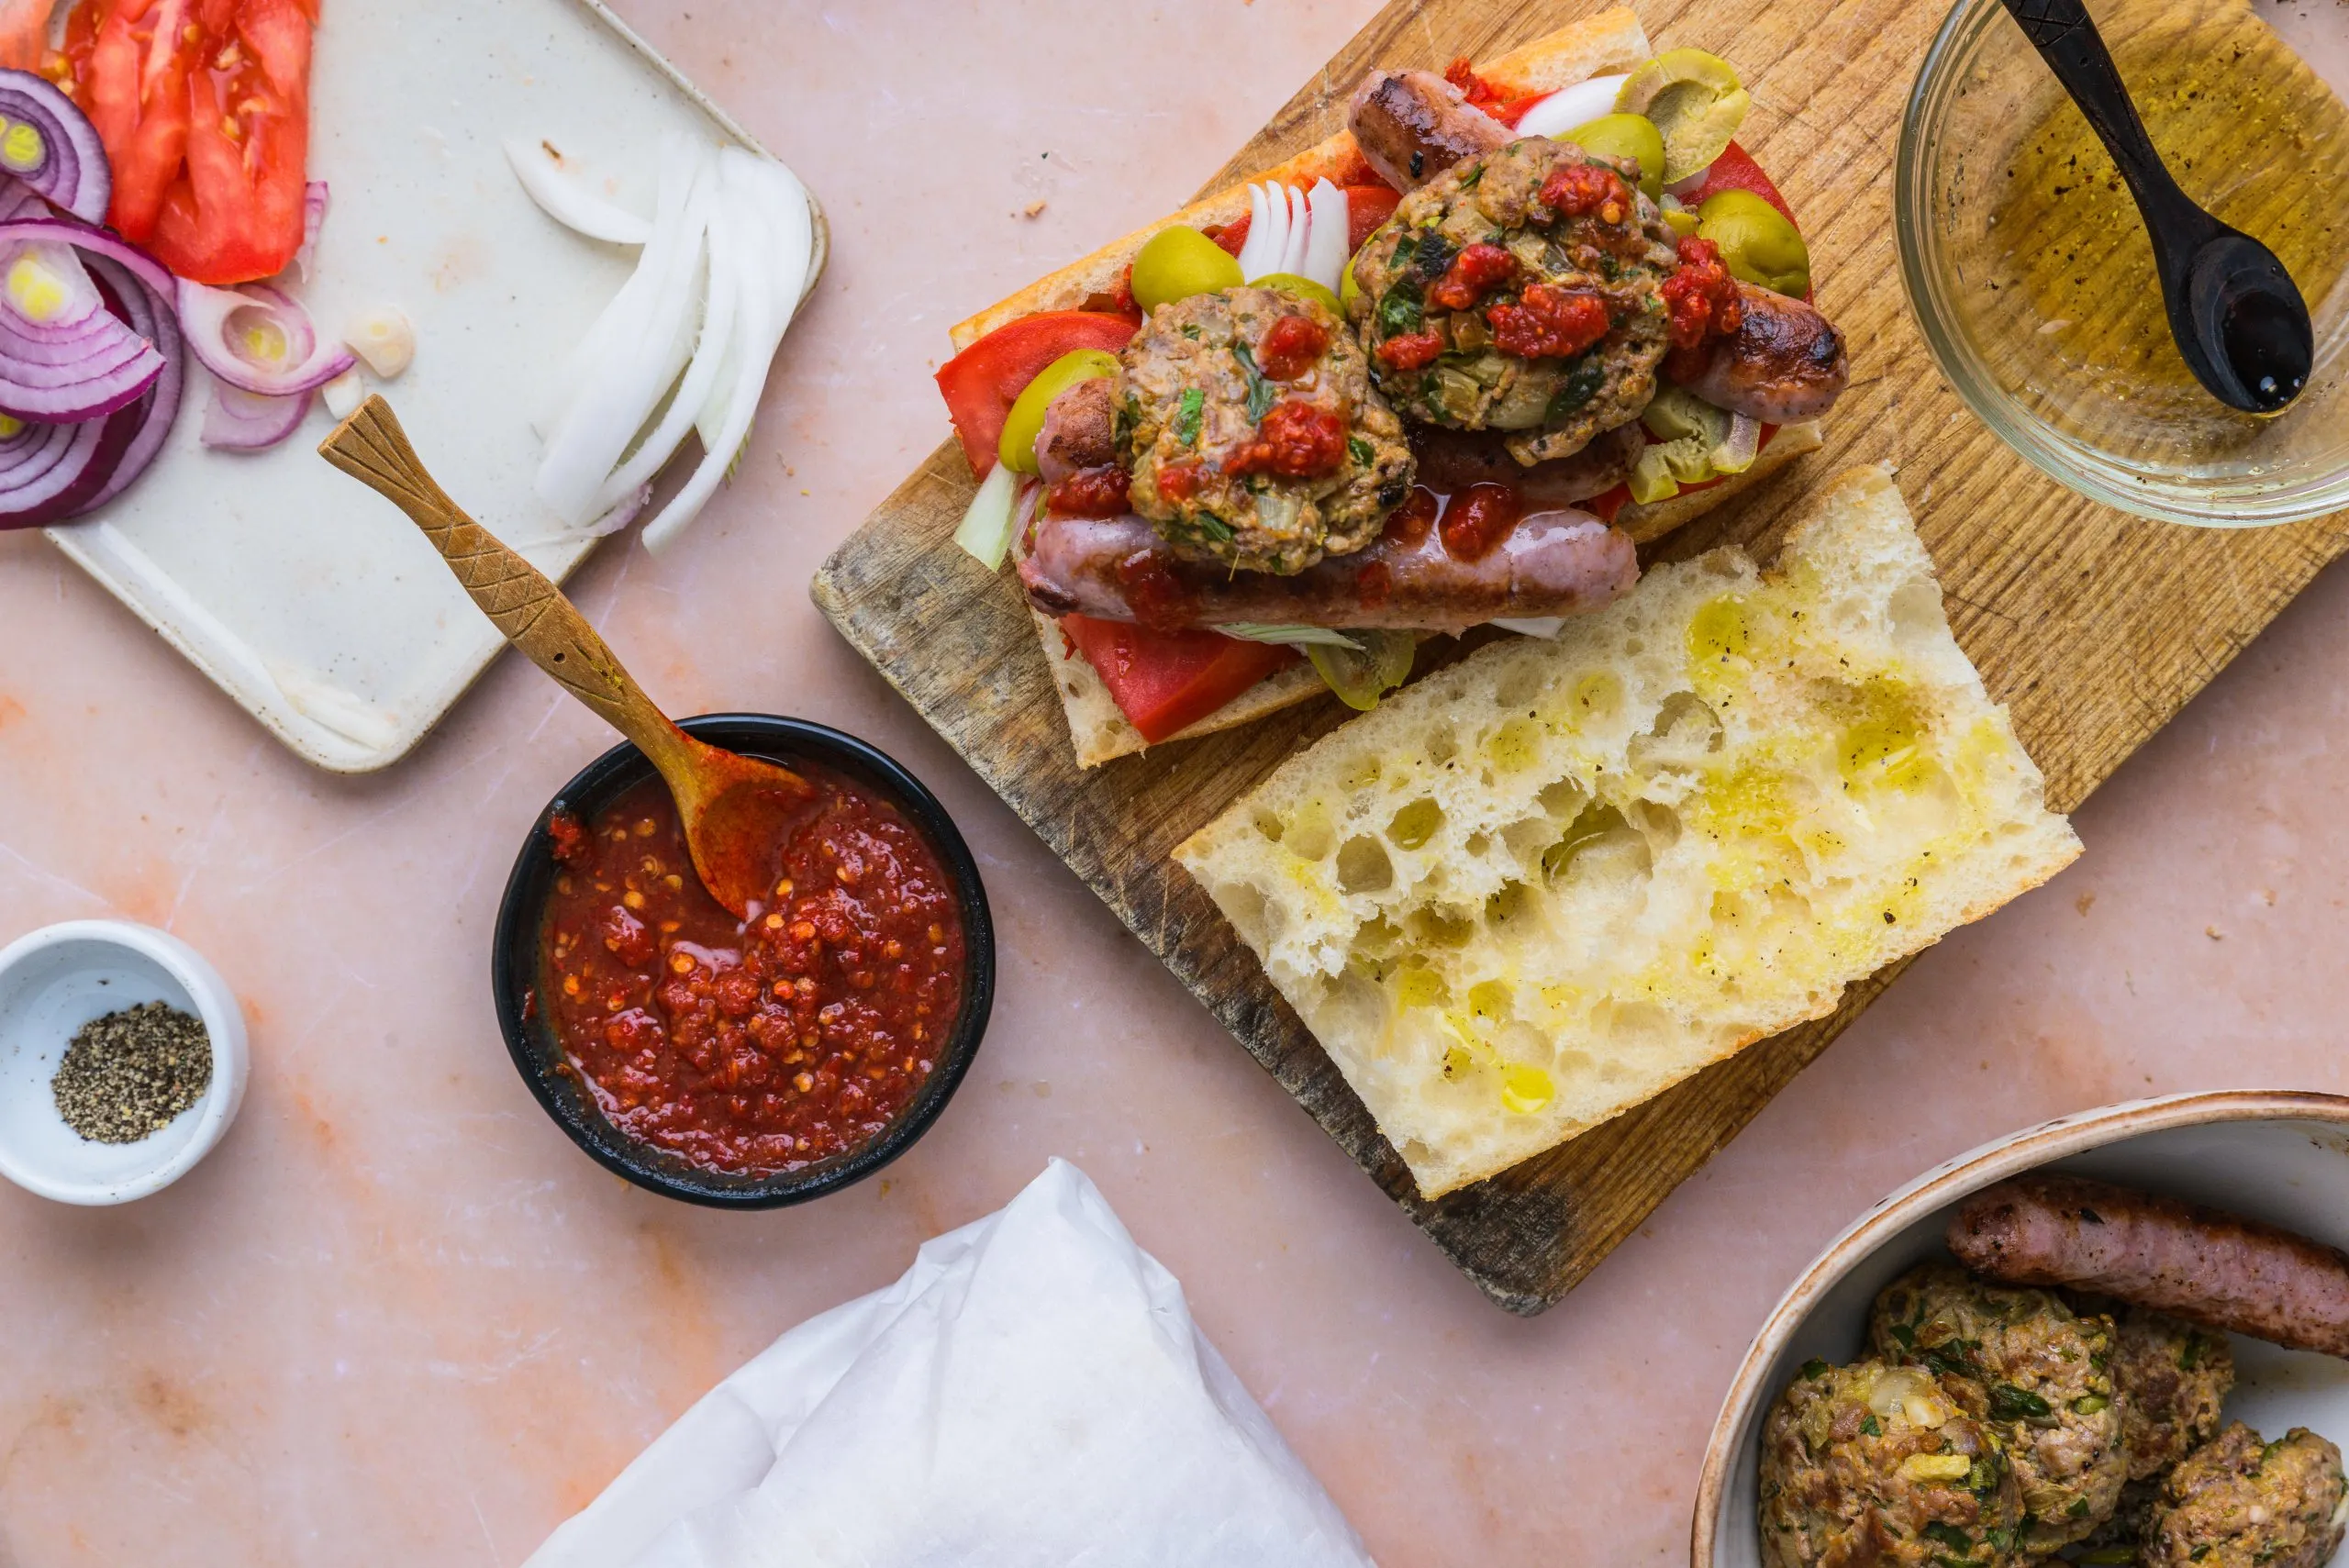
{"x": 2249, "y": 131}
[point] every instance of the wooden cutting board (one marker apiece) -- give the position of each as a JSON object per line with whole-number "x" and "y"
{"x": 2093, "y": 627}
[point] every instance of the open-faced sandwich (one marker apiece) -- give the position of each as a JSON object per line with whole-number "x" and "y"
{"x": 1446, "y": 370}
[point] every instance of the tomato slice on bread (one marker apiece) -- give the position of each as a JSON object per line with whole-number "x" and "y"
{"x": 1164, "y": 681}
{"x": 984, "y": 381}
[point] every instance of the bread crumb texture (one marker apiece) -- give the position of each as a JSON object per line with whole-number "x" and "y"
{"x": 1548, "y": 882}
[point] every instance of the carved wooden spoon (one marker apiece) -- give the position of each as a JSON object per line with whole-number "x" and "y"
{"x": 734, "y": 809}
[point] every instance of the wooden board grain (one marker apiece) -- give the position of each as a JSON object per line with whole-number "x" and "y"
{"x": 2094, "y": 627}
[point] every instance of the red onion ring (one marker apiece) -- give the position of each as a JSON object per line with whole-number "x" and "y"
{"x": 72, "y": 171}
{"x": 204, "y": 317}
{"x": 151, "y": 319}
{"x": 240, "y": 421}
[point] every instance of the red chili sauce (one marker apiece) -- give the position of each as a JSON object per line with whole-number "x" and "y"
{"x": 751, "y": 1049}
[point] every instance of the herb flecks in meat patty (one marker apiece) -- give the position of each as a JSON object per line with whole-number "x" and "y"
{"x": 1520, "y": 291}
{"x": 1257, "y": 436}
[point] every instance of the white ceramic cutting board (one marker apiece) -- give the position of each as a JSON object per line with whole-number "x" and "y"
{"x": 310, "y": 600}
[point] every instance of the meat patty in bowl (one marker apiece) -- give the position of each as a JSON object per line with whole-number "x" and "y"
{"x": 2280, "y": 1158}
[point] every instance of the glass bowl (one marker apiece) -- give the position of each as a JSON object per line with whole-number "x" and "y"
{"x": 2032, "y": 280}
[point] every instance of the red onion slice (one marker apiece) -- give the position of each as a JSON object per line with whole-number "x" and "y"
{"x": 64, "y": 357}
{"x": 256, "y": 338}
{"x": 314, "y": 218}
{"x": 150, "y": 317}
{"x": 50, "y": 146}
{"x": 240, "y": 421}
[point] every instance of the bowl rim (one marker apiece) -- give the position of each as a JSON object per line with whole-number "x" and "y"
{"x": 224, "y": 1024}
{"x": 2078, "y": 468}
{"x": 1953, "y": 1178}
{"x": 514, "y": 944}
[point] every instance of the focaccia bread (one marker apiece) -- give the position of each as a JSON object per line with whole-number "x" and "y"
{"x": 1545, "y": 884}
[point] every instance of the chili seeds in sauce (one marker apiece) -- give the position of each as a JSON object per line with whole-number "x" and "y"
{"x": 758, "y": 1048}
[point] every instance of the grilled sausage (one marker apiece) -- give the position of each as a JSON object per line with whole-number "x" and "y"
{"x": 1554, "y": 562}
{"x": 1785, "y": 361}
{"x": 1451, "y": 461}
{"x": 2201, "y": 1264}
{"x": 1413, "y": 125}
{"x": 1079, "y": 430}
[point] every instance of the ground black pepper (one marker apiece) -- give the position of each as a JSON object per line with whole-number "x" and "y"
{"x": 129, "y": 1074}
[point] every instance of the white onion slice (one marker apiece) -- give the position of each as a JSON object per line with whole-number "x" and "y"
{"x": 569, "y": 203}
{"x": 1325, "y": 248}
{"x": 991, "y": 519}
{"x": 1533, "y": 626}
{"x": 720, "y": 306}
{"x": 1301, "y": 224}
{"x": 636, "y": 349}
{"x": 1268, "y": 223}
{"x": 776, "y": 237}
{"x": 1570, "y": 108}
{"x": 1293, "y": 636}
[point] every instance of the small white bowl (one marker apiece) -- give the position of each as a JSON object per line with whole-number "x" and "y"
{"x": 59, "y": 978}
{"x": 2280, "y": 1157}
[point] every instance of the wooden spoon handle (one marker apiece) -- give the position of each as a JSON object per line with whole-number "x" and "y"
{"x": 371, "y": 447}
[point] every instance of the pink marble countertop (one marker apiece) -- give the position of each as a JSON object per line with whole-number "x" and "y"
{"x": 397, "y": 1317}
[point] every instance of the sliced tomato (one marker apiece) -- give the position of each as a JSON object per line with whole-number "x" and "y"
{"x": 1164, "y": 681}
{"x": 1367, "y": 207}
{"x": 204, "y": 106}
{"x": 1735, "y": 169}
{"x": 130, "y": 60}
{"x": 982, "y": 382}
{"x": 23, "y": 32}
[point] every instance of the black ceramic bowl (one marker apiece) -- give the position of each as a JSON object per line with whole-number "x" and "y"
{"x": 517, "y": 966}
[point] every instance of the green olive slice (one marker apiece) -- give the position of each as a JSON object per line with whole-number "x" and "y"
{"x": 1178, "y": 262}
{"x": 1697, "y": 103}
{"x": 1757, "y": 243}
{"x": 1632, "y": 137}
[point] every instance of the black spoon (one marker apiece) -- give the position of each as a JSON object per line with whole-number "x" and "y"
{"x": 2238, "y": 317}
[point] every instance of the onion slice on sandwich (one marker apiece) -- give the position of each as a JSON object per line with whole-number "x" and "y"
{"x": 1570, "y": 108}
{"x": 258, "y": 338}
{"x": 996, "y": 515}
{"x": 50, "y": 146}
{"x": 1298, "y": 232}
{"x": 1292, "y": 636}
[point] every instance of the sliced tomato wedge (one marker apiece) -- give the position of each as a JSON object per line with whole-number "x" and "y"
{"x": 1735, "y": 169}
{"x": 1164, "y": 681}
{"x": 984, "y": 381}
{"x": 204, "y": 106}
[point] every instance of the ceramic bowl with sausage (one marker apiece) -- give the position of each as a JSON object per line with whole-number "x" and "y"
{"x": 2119, "y": 1337}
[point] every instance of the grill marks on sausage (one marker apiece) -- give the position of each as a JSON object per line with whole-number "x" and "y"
{"x": 1785, "y": 361}
{"x": 2202, "y": 1265}
{"x": 1413, "y": 125}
